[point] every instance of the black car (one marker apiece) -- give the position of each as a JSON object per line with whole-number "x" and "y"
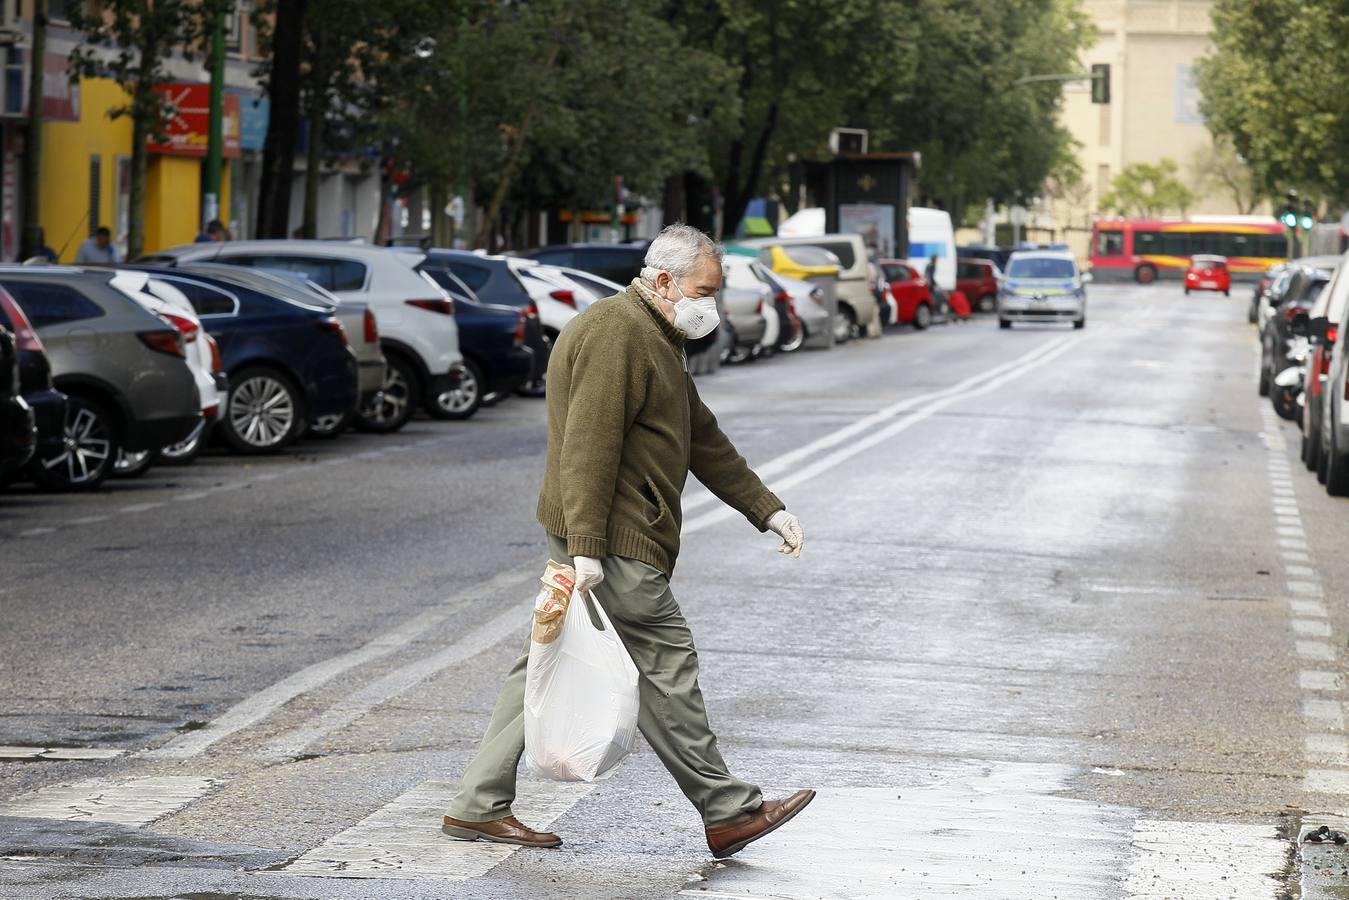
{"x": 620, "y": 263}
{"x": 18, "y": 428}
{"x": 491, "y": 280}
{"x": 1296, "y": 294}
{"x": 287, "y": 362}
{"x": 492, "y": 339}
{"x": 35, "y": 378}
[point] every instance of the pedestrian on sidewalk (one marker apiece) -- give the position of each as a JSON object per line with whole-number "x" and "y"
{"x": 99, "y": 249}
{"x": 625, "y": 428}
{"x": 214, "y": 232}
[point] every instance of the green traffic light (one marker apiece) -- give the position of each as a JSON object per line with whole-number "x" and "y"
{"x": 1307, "y": 223}
{"x": 1289, "y": 219}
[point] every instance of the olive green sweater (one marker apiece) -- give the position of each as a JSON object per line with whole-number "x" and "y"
{"x": 625, "y": 428}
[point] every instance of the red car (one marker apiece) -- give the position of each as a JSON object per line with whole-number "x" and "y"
{"x": 1208, "y": 273}
{"x": 977, "y": 279}
{"x": 913, "y": 297}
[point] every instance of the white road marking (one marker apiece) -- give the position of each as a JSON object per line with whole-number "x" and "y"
{"x": 1231, "y": 861}
{"x": 1310, "y": 627}
{"x": 1290, "y": 543}
{"x": 1294, "y": 556}
{"x": 191, "y": 495}
{"x": 1331, "y": 746}
{"x": 1327, "y": 781}
{"x": 1314, "y": 650}
{"x": 1326, "y": 713}
{"x": 1308, "y": 608}
{"x": 87, "y": 520}
{"x": 1299, "y": 571}
{"x": 1281, "y": 510}
{"x": 35, "y": 532}
{"x": 1310, "y": 588}
{"x": 140, "y": 507}
{"x": 403, "y": 838}
{"x": 64, "y": 753}
{"x": 260, "y": 705}
{"x": 130, "y": 801}
{"x": 1313, "y": 680}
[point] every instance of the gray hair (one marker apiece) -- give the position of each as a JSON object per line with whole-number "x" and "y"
{"x": 678, "y": 249}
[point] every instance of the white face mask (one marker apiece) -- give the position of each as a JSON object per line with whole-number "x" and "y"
{"x": 695, "y": 317}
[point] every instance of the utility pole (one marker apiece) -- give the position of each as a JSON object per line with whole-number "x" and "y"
{"x": 210, "y": 187}
{"x": 30, "y": 245}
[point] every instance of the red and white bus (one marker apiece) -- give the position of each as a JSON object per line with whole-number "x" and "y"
{"x": 1144, "y": 250}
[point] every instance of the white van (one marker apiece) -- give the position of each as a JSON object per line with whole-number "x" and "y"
{"x": 930, "y": 232}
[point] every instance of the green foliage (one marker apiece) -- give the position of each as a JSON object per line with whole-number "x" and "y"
{"x": 1148, "y": 190}
{"x": 1277, "y": 85}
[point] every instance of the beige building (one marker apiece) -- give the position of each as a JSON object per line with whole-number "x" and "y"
{"x": 1151, "y": 47}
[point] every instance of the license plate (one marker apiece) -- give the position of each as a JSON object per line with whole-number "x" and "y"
{"x": 1208, "y": 284}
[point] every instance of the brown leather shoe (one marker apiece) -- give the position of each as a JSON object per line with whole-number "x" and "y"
{"x": 502, "y": 831}
{"x": 726, "y": 838}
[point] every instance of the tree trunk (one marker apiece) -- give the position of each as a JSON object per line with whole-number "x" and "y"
{"x": 31, "y": 245}
{"x": 135, "y": 237}
{"x": 698, "y": 202}
{"x": 672, "y": 203}
{"x": 733, "y": 210}
{"x": 313, "y": 172}
{"x": 438, "y": 195}
{"x": 283, "y": 89}
{"x": 382, "y": 229}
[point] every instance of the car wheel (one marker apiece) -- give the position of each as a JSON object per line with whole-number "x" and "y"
{"x": 1187, "y": 292}
{"x": 133, "y": 463}
{"x": 794, "y": 343}
{"x": 88, "y": 454}
{"x": 1080, "y": 323}
{"x": 988, "y": 303}
{"x": 1337, "y": 471}
{"x": 1285, "y": 402}
{"x": 1004, "y": 323}
{"x": 922, "y": 316}
{"x": 1253, "y": 314}
{"x": 329, "y": 426}
{"x": 1227, "y": 293}
{"x": 1145, "y": 274}
{"x": 186, "y": 450}
{"x": 1311, "y": 451}
{"x": 1265, "y": 377}
{"x": 464, "y": 400}
{"x": 391, "y": 408}
{"x": 263, "y": 413}
{"x": 740, "y": 354}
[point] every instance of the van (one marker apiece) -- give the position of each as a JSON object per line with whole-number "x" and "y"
{"x": 857, "y": 306}
{"x": 930, "y": 232}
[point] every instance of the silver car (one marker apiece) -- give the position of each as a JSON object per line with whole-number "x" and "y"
{"x": 1043, "y": 286}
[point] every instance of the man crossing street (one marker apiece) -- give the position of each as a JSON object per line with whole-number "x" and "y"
{"x": 625, "y": 428}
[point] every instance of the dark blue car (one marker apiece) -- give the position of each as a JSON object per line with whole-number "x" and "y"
{"x": 288, "y": 362}
{"x": 492, "y": 338}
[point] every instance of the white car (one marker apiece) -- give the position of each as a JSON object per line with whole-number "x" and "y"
{"x": 554, "y": 297}
{"x": 588, "y": 287}
{"x": 416, "y": 317}
{"x": 1043, "y": 286}
{"x": 203, "y": 360}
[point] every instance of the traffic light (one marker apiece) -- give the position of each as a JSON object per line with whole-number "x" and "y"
{"x": 1307, "y": 219}
{"x": 1100, "y": 82}
{"x": 1288, "y": 217}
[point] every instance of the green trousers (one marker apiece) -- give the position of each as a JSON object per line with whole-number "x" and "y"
{"x": 672, "y": 718}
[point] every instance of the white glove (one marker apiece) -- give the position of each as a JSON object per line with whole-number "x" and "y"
{"x": 589, "y": 573}
{"x": 788, "y": 528}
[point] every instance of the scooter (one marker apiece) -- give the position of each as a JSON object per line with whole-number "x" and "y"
{"x": 1290, "y": 384}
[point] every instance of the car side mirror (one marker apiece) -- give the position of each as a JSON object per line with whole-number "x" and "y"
{"x": 1087, "y": 278}
{"x": 1300, "y": 324}
{"x": 1319, "y": 328}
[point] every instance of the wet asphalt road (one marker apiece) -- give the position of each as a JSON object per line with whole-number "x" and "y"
{"x": 1055, "y": 633}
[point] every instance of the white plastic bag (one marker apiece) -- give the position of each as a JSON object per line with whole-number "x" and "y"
{"x": 580, "y": 699}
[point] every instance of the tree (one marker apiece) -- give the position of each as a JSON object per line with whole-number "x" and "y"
{"x": 1217, "y": 167}
{"x": 131, "y": 42}
{"x": 1277, "y": 85}
{"x": 281, "y": 46}
{"x": 1148, "y": 190}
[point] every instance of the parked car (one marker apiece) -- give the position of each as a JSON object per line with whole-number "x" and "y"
{"x": 35, "y": 379}
{"x": 287, "y": 363}
{"x": 1280, "y": 349}
{"x": 619, "y": 263}
{"x": 818, "y": 268}
{"x": 1320, "y": 326}
{"x": 589, "y": 287}
{"x": 123, "y": 370}
{"x": 493, "y": 280}
{"x": 18, "y": 427}
{"x": 1043, "y": 286}
{"x": 856, "y": 301}
{"x": 1332, "y": 464}
{"x": 203, "y": 357}
{"x": 805, "y": 302}
{"x": 913, "y": 295}
{"x": 998, "y": 256}
{"x": 743, "y": 296}
{"x": 357, "y": 318}
{"x": 977, "y": 279}
{"x": 1262, "y": 285}
{"x": 1208, "y": 272}
{"x": 492, "y": 338}
{"x": 417, "y": 330}
{"x": 555, "y": 301}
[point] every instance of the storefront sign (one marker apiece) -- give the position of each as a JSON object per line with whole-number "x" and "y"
{"x": 189, "y": 121}
{"x": 60, "y": 96}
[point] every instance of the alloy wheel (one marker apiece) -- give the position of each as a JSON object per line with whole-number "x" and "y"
{"x": 391, "y": 403}
{"x": 87, "y": 451}
{"x": 262, "y": 412}
{"x": 463, "y": 398}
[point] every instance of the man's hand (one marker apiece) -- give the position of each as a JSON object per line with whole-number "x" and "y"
{"x": 589, "y": 573}
{"x": 788, "y": 528}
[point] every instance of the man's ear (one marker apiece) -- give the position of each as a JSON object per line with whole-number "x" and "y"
{"x": 663, "y": 280}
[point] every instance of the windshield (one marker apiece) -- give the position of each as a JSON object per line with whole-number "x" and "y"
{"x": 1041, "y": 267}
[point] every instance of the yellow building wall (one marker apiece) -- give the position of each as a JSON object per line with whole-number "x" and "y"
{"x": 172, "y": 188}
{"x": 67, "y": 148}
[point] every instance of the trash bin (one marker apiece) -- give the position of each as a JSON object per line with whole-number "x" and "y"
{"x": 813, "y": 264}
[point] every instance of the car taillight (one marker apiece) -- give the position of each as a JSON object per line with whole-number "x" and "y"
{"x": 532, "y": 310}
{"x": 371, "y": 329}
{"x": 567, "y": 297}
{"x": 758, "y": 308}
{"x": 520, "y": 328}
{"x": 170, "y": 342}
{"x": 333, "y": 326}
{"x": 186, "y": 327}
{"x": 1291, "y": 311}
{"x": 25, "y": 338}
{"x": 782, "y": 297}
{"x": 442, "y": 305}
{"x": 216, "y": 364}
{"x": 1332, "y": 332}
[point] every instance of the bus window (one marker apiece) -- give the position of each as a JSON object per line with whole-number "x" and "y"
{"x": 1109, "y": 243}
